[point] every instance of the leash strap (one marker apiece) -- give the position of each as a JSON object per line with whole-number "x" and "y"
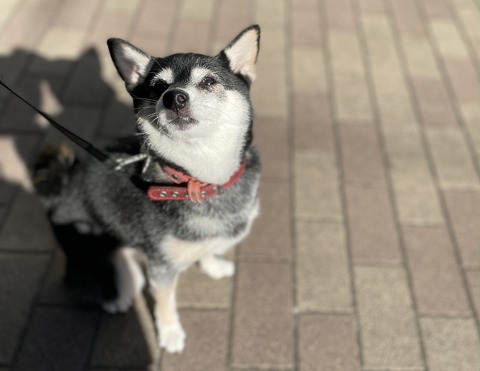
{"x": 82, "y": 143}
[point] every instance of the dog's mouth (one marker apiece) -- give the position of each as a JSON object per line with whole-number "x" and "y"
{"x": 183, "y": 122}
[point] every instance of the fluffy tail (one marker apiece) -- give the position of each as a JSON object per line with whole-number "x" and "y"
{"x": 51, "y": 172}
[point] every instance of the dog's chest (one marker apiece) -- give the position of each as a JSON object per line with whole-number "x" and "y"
{"x": 218, "y": 239}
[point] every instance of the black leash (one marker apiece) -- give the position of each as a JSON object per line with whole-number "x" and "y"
{"x": 82, "y": 143}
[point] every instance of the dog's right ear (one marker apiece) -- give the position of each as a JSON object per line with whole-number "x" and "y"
{"x": 132, "y": 63}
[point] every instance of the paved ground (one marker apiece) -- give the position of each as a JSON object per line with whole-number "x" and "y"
{"x": 366, "y": 256}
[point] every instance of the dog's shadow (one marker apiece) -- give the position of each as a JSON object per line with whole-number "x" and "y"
{"x": 76, "y": 95}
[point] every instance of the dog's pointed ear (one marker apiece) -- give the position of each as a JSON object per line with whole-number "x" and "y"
{"x": 132, "y": 63}
{"x": 242, "y": 52}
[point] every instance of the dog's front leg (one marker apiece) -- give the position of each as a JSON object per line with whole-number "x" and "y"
{"x": 170, "y": 331}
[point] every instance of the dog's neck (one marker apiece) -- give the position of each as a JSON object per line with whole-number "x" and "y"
{"x": 153, "y": 168}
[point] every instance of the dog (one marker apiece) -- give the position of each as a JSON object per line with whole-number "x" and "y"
{"x": 185, "y": 190}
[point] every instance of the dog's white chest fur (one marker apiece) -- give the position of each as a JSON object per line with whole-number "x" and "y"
{"x": 183, "y": 253}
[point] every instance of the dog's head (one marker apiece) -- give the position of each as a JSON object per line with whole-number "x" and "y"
{"x": 194, "y": 110}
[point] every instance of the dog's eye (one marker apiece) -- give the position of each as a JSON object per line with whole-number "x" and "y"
{"x": 159, "y": 88}
{"x": 208, "y": 81}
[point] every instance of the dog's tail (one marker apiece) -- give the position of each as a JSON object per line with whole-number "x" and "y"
{"x": 51, "y": 171}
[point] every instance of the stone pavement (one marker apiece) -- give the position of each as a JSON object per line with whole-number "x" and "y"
{"x": 366, "y": 255}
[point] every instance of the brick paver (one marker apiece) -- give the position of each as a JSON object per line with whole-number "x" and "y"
{"x": 366, "y": 254}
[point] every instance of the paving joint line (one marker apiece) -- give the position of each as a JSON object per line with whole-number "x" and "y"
{"x": 235, "y": 279}
{"x": 288, "y": 29}
{"x": 438, "y": 189}
{"x": 379, "y": 130}
{"x": 325, "y": 29}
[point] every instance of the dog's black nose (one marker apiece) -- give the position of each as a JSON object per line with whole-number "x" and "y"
{"x": 175, "y": 99}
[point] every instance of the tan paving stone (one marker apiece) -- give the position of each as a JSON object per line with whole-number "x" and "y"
{"x": 126, "y": 340}
{"x": 308, "y": 71}
{"x": 263, "y": 322}
{"x": 109, "y": 23}
{"x": 306, "y": 27}
{"x": 452, "y": 159}
{"x": 192, "y": 9}
{"x": 464, "y": 213}
{"x": 339, "y": 14}
{"x": 122, "y": 6}
{"x": 79, "y": 15}
{"x": 403, "y": 141}
{"x": 147, "y": 22}
{"x": 197, "y": 290}
{"x": 352, "y": 103}
{"x": 451, "y": 344}
{"x": 316, "y": 188}
{"x": 329, "y": 341}
{"x": 345, "y": 51}
{"x": 416, "y": 198}
{"x": 323, "y": 279}
{"x": 270, "y": 90}
{"x": 473, "y": 277}
{"x": 192, "y": 35}
{"x": 58, "y": 338}
{"x": 389, "y": 336}
{"x": 437, "y": 9}
{"x": 419, "y": 56}
{"x": 471, "y": 116}
{"x": 312, "y": 122}
{"x": 373, "y": 236}
{"x": 448, "y": 38}
{"x": 371, "y": 6}
{"x": 269, "y": 12}
{"x": 436, "y": 278}
{"x": 361, "y": 154}
{"x": 464, "y": 79}
{"x": 272, "y": 139}
{"x": 233, "y": 16}
{"x": 396, "y": 112}
{"x": 270, "y": 100}
{"x": 434, "y": 104}
{"x": 7, "y": 9}
{"x": 21, "y": 31}
{"x": 271, "y": 235}
{"x": 392, "y": 95}
{"x": 206, "y": 344}
{"x": 469, "y": 14}
{"x": 20, "y": 278}
{"x": 407, "y": 17}
{"x": 418, "y": 204}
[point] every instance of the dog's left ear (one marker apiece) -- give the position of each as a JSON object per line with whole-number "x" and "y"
{"x": 132, "y": 63}
{"x": 242, "y": 52}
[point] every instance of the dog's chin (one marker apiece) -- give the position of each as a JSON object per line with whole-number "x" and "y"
{"x": 182, "y": 123}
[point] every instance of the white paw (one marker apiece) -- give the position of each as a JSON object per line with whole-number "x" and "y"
{"x": 121, "y": 305}
{"x": 172, "y": 338}
{"x": 217, "y": 268}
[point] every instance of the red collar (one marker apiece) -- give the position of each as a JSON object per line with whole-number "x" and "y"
{"x": 194, "y": 190}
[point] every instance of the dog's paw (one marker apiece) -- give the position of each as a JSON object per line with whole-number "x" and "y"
{"x": 172, "y": 338}
{"x": 217, "y": 268}
{"x": 121, "y": 305}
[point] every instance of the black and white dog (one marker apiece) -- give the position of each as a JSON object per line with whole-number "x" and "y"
{"x": 193, "y": 195}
